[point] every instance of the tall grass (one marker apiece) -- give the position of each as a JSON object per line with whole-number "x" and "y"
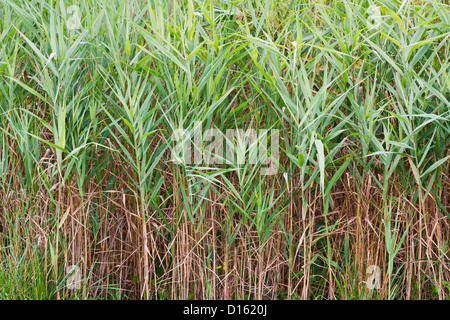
{"x": 87, "y": 178}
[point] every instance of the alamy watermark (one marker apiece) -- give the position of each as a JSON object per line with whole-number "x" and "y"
{"x": 374, "y": 279}
{"x": 73, "y": 18}
{"x": 374, "y": 16}
{"x": 74, "y": 277}
{"x": 232, "y": 147}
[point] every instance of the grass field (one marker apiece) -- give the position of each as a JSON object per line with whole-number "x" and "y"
{"x": 97, "y": 201}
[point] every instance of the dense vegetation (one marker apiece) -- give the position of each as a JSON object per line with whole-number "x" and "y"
{"x": 359, "y": 91}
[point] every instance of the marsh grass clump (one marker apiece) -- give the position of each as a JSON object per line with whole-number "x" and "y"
{"x": 92, "y": 91}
